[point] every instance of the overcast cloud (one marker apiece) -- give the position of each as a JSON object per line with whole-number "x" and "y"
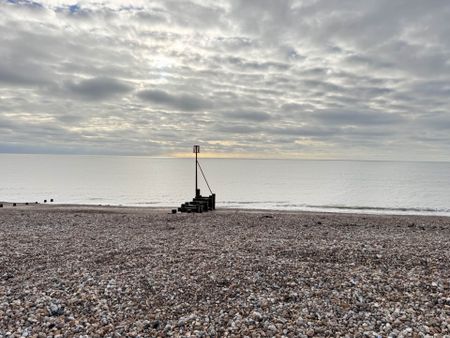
{"x": 261, "y": 78}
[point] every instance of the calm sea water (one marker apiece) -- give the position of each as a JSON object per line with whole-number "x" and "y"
{"x": 343, "y": 186}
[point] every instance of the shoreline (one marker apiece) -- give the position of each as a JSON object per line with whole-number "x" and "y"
{"x": 346, "y": 211}
{"x": 105, "y": 271}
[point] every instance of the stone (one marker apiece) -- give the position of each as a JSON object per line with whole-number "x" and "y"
{"x": 256, "y": 316}
{"x": 55, "y": 309}
{"x": 310, "y": 333}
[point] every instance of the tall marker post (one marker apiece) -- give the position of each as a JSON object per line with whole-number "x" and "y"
{"x": 199, "y": 203}
{"x": 196, "y": 150}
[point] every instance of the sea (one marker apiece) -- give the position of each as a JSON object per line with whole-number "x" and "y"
{"x": 380, "y": 187}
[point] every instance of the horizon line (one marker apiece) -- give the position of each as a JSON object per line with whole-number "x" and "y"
{"x": 187, "y": 156}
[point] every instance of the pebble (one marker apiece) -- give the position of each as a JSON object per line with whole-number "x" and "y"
{"x": 115, "y": 272}
{"x": 55, "y": 310}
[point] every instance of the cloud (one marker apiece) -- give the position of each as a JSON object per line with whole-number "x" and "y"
{"x": 236, "y": 129}
{"x": 436, "y": 121}
{"x": 332, "y": 78}
{"x": 305, "y": 131}
{"x": 252, "y": 116}
{"x": 183, "y": 102}
{"x": 98, "y": 88}
{"x": 10, "y": 77}
{"x": 25, "y": 73}
{"x": 366, "y": 118}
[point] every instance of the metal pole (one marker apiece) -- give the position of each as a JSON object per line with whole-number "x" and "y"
{"x": 196, "y": 151}
{"x": 196, "y": 185}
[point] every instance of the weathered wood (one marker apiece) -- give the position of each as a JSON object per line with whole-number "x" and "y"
{"x": 199, "y": 203}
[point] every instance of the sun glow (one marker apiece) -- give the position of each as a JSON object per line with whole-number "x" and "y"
{"x": 262, "y": 156}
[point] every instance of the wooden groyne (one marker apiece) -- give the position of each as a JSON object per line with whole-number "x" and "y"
{"x": 199, "y": 203}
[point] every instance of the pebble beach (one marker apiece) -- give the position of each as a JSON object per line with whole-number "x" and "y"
{"x": 84, "y": 271}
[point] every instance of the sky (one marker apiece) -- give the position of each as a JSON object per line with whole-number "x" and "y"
{"x": 310, "y": 79}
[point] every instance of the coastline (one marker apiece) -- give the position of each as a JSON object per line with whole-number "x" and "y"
{"x": 142, "y": 208}
{"x": 105, "y": 270}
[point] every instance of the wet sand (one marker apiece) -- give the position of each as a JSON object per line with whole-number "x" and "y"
{"x": 108, "y": 271}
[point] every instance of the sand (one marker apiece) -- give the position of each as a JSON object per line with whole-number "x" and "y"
{"x": 107, "y": 271}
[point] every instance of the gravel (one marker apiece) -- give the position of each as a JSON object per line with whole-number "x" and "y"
{"x": 116, "y": 272}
